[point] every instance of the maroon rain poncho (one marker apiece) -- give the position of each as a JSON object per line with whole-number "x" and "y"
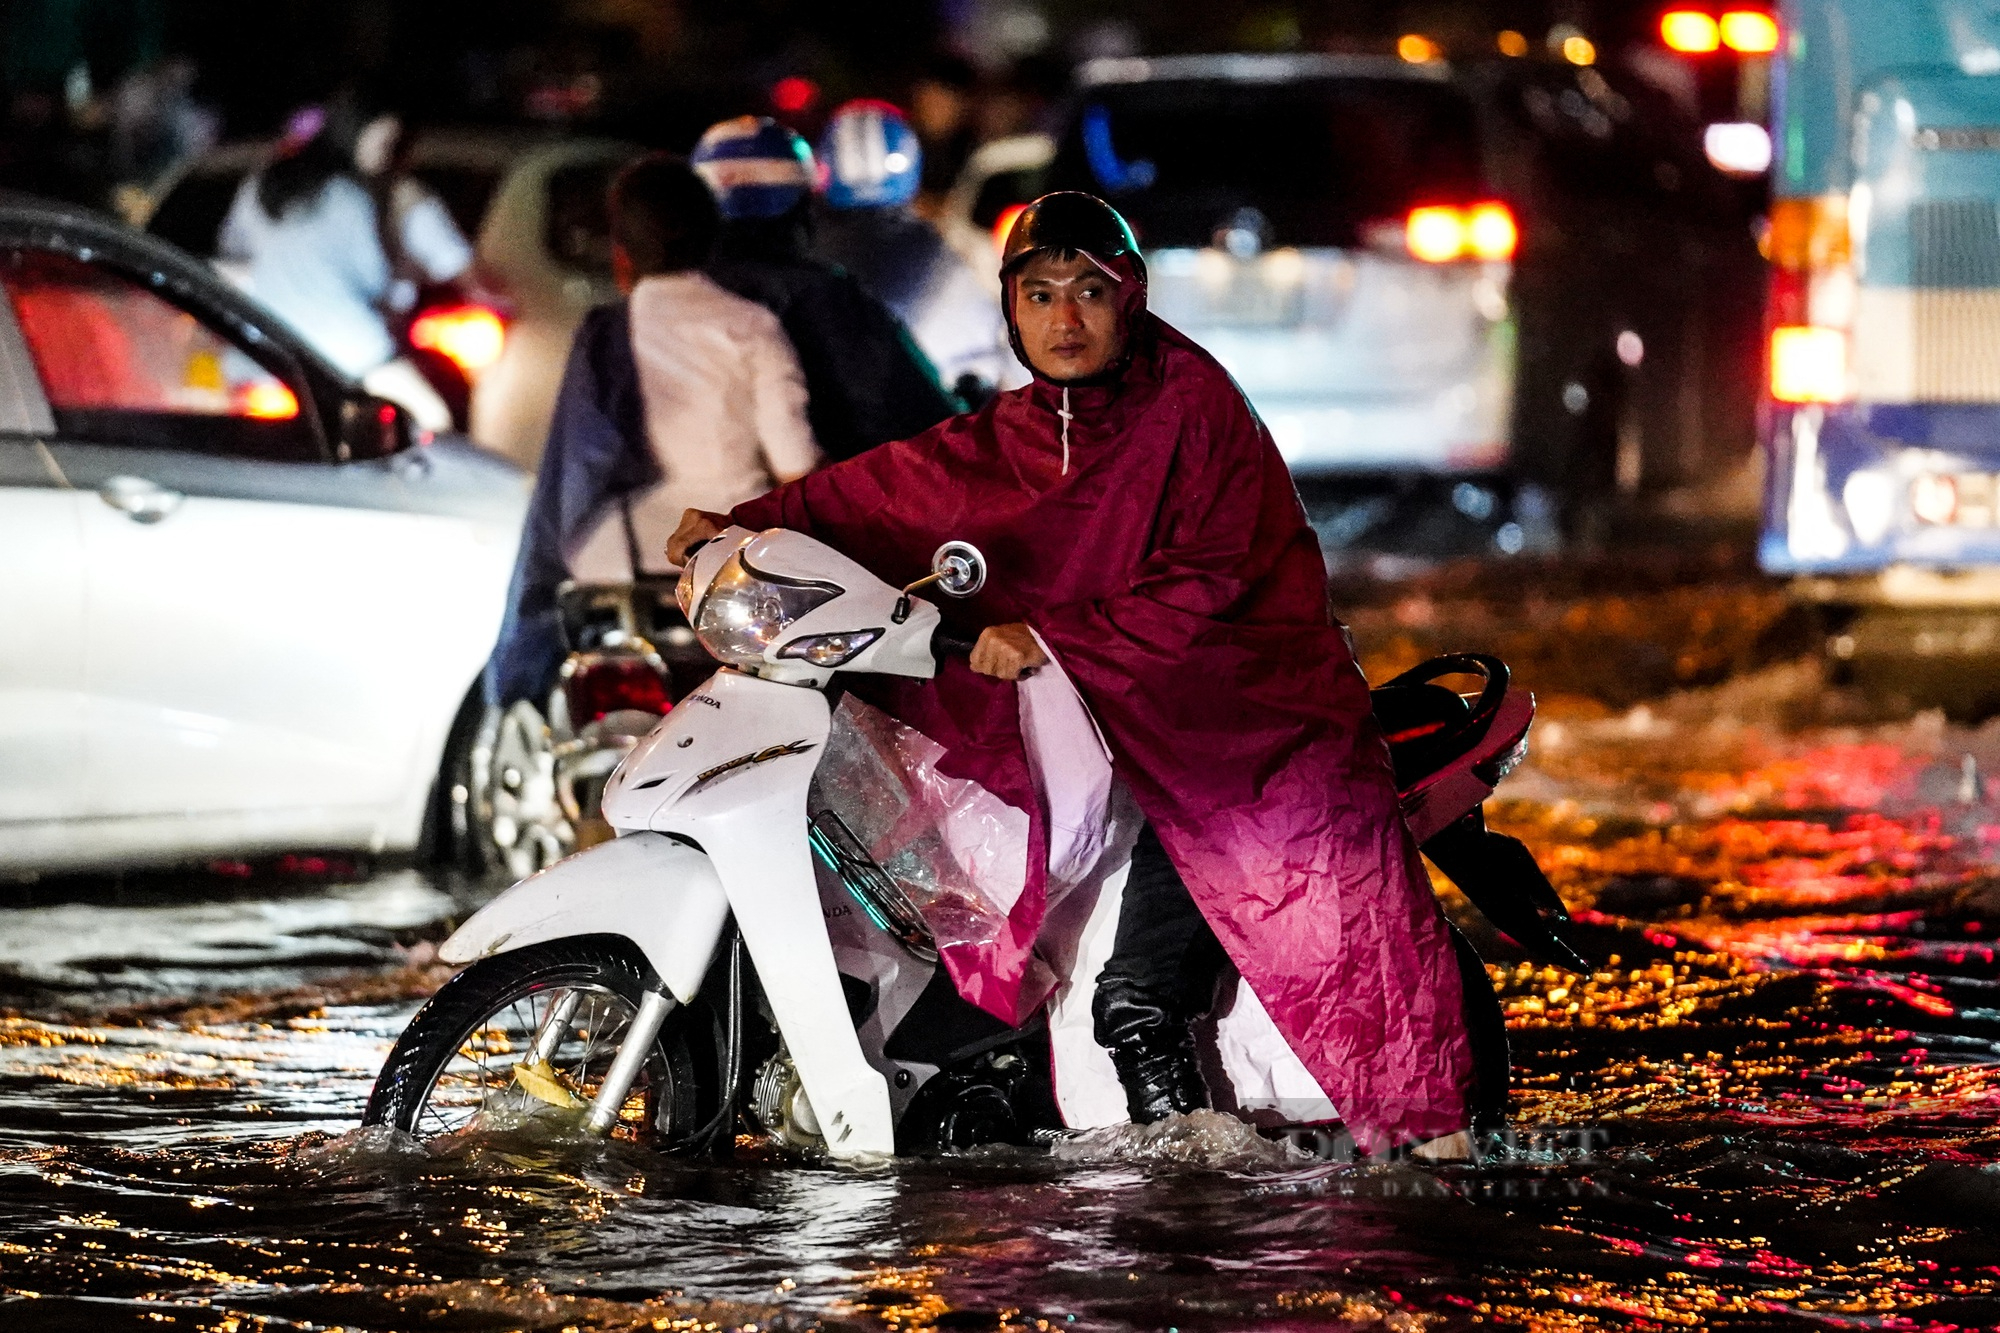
{"x": 1172, "y": 572}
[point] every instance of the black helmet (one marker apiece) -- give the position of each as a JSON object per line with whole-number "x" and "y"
{"x": 1070, "y": 220}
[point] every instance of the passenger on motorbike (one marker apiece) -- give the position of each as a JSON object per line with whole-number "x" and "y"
{"x": 313, "y": 245}
{"x": 1141, "y": 526}
{"x": 866, "y": 381}
{"x": 681, "y": 395}
{"x": 872, "y": 163}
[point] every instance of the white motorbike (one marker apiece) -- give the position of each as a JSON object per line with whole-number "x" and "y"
{"x": 739, "y": 951}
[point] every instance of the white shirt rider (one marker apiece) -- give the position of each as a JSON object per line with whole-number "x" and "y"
{"x": 725, "y": 408}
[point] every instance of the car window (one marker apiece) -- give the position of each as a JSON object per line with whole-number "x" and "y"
{"x": 579, "y": 218}
{"x": 1320, "y": 159}
{"x": 191, "y": 215}
{"x": 120, "y": 365}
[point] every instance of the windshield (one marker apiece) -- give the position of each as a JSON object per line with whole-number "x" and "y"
{"x": 1320, "y": 159}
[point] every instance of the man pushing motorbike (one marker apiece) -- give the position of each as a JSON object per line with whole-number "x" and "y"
{"x": 1139, "y": 525}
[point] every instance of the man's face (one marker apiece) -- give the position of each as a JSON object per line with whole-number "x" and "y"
{"x": 1066, "y": 311}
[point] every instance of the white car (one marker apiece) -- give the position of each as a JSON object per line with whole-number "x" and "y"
{"x": 1324, "y": 225}
{"x": 240, "y": 609}
{"x": 534, "y": 208}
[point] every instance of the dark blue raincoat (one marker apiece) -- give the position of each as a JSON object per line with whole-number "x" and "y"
{"x": 596, "y": 452}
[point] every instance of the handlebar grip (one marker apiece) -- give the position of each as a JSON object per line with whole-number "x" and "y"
{"x": 946, "y": 644}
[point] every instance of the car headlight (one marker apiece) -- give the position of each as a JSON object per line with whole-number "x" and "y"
{"x": 746, "y": 611}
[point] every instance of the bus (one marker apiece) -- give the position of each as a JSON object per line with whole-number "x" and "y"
{"x": 1881, "y": 416}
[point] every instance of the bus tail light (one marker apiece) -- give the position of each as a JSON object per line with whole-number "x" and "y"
{"x": 1808, "y": 364}
{"x": 1749, "y": 32}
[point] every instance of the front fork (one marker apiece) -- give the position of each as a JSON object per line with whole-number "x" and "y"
{"x": 639, "y": 1037}
{"x": 655, "y": 1005}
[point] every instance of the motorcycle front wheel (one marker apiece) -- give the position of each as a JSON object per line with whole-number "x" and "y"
{"x": 528, "y": 1036}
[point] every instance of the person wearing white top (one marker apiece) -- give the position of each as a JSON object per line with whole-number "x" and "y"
{"x": 302, "y": 236}
{"x": 721, "y": 389}
{"x": 683, "y": 395}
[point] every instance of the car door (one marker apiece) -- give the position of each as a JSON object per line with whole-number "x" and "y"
{"x": 254, "y": 660}
{"x": 41, "y": 620}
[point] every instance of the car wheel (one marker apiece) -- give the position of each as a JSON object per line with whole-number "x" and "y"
{"x": 450, "y": 840}
{"x": 515, "y": 817}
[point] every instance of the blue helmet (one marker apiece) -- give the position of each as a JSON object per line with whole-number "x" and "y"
{"x": 756, "y": 167}
{"x": 872, "y": 156}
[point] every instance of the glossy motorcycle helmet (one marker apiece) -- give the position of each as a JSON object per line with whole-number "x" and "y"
{"x": 869, "y": 156}
{"x": 756, "y": 167}
{"x": 1070, "y": 221}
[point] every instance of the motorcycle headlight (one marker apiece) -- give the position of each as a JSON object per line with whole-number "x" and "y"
{"x": 830, "y": 650}
{"x": 746, "y": 611}
{"x": 684, "y": 590}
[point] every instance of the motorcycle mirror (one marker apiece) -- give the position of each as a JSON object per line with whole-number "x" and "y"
{"x": 959, "y": 569}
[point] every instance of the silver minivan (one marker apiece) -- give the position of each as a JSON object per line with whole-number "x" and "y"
{"x": 1323, "y": 225}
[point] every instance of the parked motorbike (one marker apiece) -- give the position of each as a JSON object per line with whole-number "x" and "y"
{"x": 739, "y": 949}
{"x": 538, "y": 773}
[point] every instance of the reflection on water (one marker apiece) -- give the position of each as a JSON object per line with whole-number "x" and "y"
{"x": 1773, "y": 1101}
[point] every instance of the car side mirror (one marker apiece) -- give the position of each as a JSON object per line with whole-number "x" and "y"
{"x": 372, "y": 427}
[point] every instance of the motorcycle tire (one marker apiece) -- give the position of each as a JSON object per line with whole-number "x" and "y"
{"x": 449, "y": 1054}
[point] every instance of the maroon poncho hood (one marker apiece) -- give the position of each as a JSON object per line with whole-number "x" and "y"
{"x": 1172, "y": 572}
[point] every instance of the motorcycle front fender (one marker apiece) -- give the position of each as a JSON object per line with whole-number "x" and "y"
{"x": 654, "y": 890}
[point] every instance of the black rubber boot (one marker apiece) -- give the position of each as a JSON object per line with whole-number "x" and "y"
{"x": 1152, "y": 1047}
{"x": 1159, "y": 979}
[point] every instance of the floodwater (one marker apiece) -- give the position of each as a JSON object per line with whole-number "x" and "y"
{"x": 1774, "y": 1103}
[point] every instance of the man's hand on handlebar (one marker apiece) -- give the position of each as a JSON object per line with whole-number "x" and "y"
{"x": 697, "y": 525}
{"x": 1007, "y": 652}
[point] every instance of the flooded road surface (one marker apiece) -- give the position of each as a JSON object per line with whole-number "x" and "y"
{"x": 1774, "y": 1103}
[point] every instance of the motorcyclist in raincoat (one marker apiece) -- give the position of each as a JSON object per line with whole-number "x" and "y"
{"x": 1139, "y": 524}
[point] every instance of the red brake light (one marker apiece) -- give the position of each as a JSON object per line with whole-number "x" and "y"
{"x": 1749, "y": 32}
{"x": 1435, "y": 235}
{"x": 1490, "y": 232}
{"x": 792, "y": 94}
{"x": 1003, "y": 225}
{"x": 470, "y": 336}
{"x": 1689, "y": 31}
{"x": 1440, "y": 233}
{"x": 611, "y": 685}
{"x": 267, "y": 400}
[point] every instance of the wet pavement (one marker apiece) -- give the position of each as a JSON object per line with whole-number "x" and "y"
{"x": 1773, "y": 1103}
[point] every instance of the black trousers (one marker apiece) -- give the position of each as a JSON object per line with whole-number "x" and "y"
{"x": 1164, "y": 958}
